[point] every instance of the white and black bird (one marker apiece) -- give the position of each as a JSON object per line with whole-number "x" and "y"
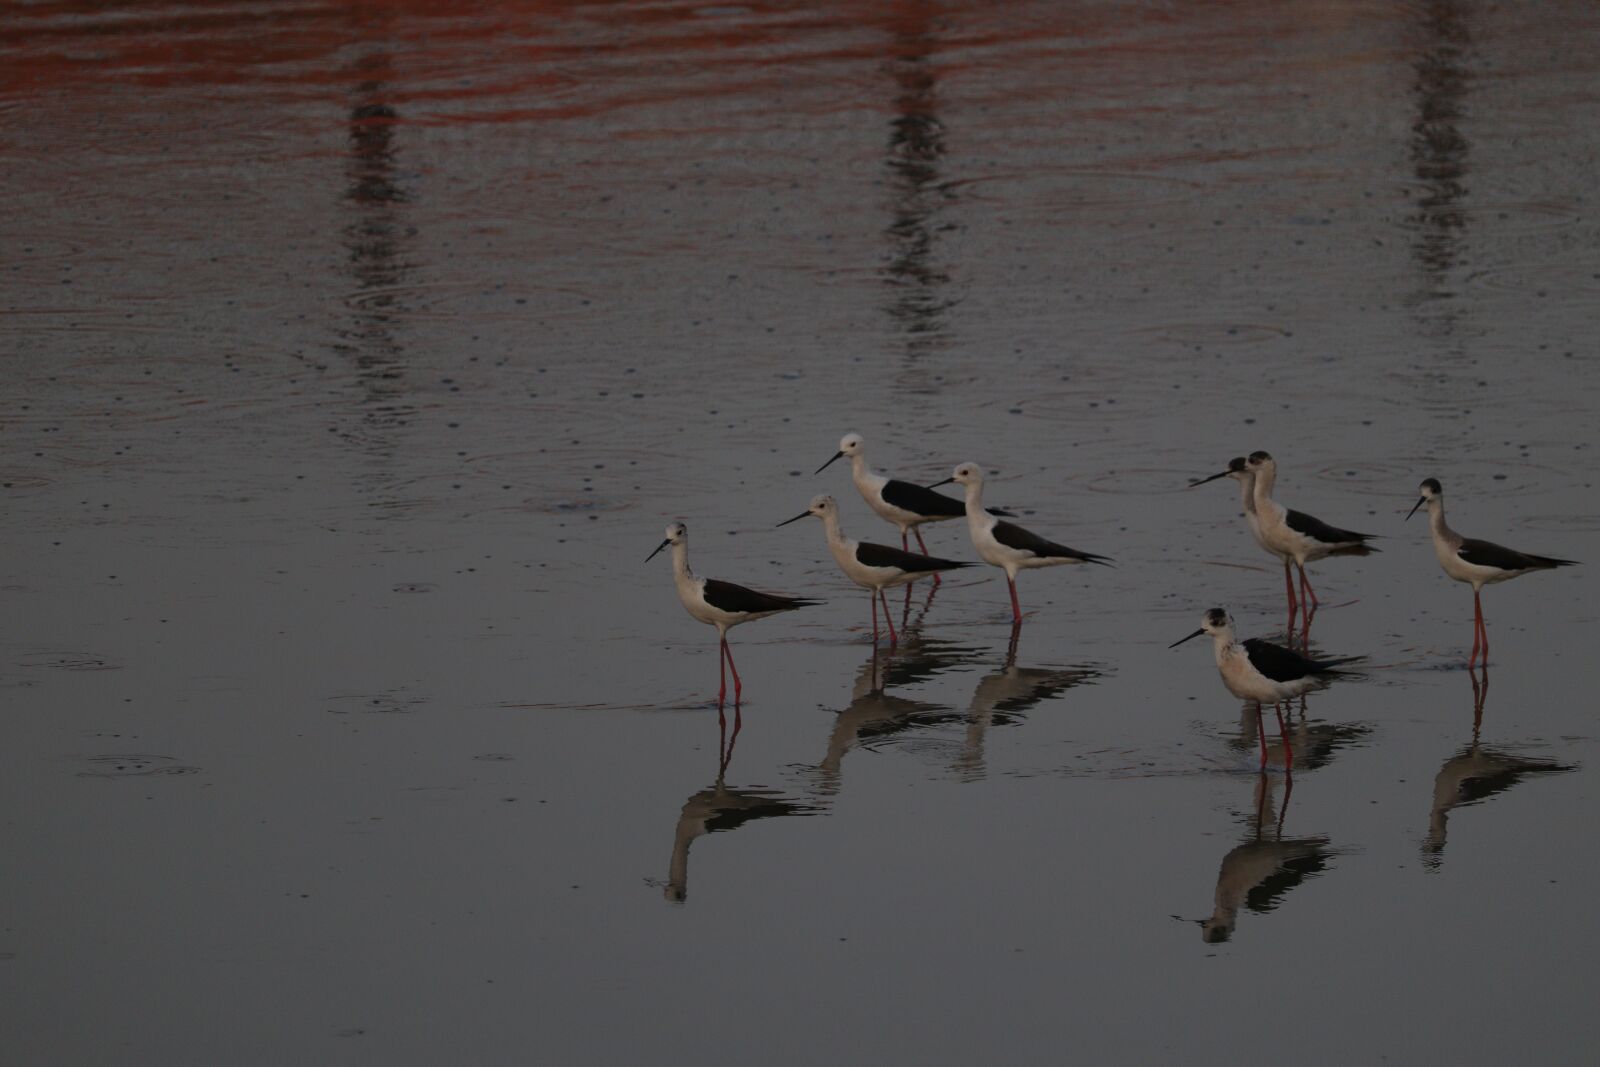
{"x": 1006, "y": 545}
{"x": 905, "y": 504}
{"x": 1239, "y": 470}
{"x": 1294, "y": 535}
{"x": 873, "y": 567}
{"x": 1478, "y": 563}
{"x": 1262, "y": 672}
{"x": 720, "y": 604}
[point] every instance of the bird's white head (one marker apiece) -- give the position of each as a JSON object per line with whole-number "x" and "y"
{"x": 1260, "y": 461}
{"x": 821, "y": 506}
{"x": 967, "y": 474}
{"x": 1429, "y": 491}
{"x": 677, "y": 534}
{"x": 1238, "y": 469}
{"x": 849, "y": 445}
{"x": 1215, "y": 622}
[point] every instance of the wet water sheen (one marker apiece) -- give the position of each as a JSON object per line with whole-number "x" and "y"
{"x": 356, "y": 355}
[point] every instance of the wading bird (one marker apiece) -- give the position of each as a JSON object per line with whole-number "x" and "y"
{"x": 872, "y": 567}
{"x": 720, "y": 604}
{"x": 1478, "y": 563}
{"x": 1008, "y": 546}
{"x": 1263, "y": 672}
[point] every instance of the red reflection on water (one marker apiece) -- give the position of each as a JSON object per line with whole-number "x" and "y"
{"x": 465, "y": 49}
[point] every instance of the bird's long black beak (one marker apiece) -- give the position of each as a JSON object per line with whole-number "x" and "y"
{"x": 1213, "y": 478}
{"x": 659, "y": 547}
{"x": 936, "y": 485}
{"x": 803, "y": 514}
{"x": 824, "y": 467}
{"x": 1421, "y": 500}
{"x": 1197, "y": 633}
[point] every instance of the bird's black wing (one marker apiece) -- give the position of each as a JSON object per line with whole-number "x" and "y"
{"x": 921, "y": 501}
{"x": 1285, "y": 664}
{"x": 1023, "y": 541}
{"x": 871, "y": 555}
{"x": 1486, "y": 554}
{"x": 1318, "y": 530}
{"x": 725, "y": 596}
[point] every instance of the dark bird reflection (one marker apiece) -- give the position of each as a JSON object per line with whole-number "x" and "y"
{"x": 1002, "y": 696}
{"x": 1312, "y": 741}
{"x": 874, "y": 714}
{"x": 1259, "y": 872}
{"x": 1475, "y": 774}
{"x": 718, "y": 808}
{"x": 916, "y": 146}
{"x": 377, "y": 240}
{"x": 1440, "y": 151}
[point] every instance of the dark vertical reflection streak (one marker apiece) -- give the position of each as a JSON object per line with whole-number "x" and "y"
{"x": 376, "y": 241}
{"x": 915, "y": 303}
{"x": 1439, "y": 157}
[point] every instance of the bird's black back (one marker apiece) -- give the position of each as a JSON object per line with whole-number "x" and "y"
{"x": 1023, "y": 541}
{"x": 1487, "y": 554}
{"x": 1318, "y": 530}
{"x": 725, "y": 596}
{"x": 1285, "y": 664}
{"x": 920, "y": 500}
{"x": 871, "y": 555}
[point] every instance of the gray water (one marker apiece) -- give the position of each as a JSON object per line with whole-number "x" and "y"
{"x": 356, "y": 356}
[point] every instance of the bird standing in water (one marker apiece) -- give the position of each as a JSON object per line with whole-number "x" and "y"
{"x": 1478, "y": 563}
{"x": 720, "y": 604}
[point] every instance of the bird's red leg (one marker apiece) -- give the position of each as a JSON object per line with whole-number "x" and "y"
{"x": 920, "y": 544}
{"x": 1288, "y": 586}
{"x": 738, "y": 687}
{"x": 1308, "y": 595}
{"x": 905, "y": 545}
{"x": 1477, "y": 625}
{"x": 1483, "y": 629}
{"x": 722, "y": 674}
{"x": 874, "y": 598}
{"x": 1016, "y": 608}
{"x": 894, "y": 638}
{"x": 1261, "y": 736}
{"x": 1283, "y": 732}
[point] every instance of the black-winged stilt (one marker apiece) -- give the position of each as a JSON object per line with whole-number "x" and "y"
{"x": 1294, "y": 535}
{"x": 720, "y": 604}
{"x": 1262, "y": 672}
{"x": 1478, "y": 563}
{"x": 905, "y": 504}
{"x": 873, "y": 567}
{"x": 1007, "y": 545}
{"x": 1240, "y": 472}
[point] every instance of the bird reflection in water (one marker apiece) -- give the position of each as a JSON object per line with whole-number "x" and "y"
{"x": 1475, "y": 774}
{"x": 1004, "y": 695}
{"x": 874, "y": 714}
{"x": 1257, "y": 873}
{"x": 1312, "y": 742}
{"x": 719, "y": 808}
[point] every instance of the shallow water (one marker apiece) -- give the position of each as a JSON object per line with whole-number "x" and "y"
{"x": 356, "y": 357}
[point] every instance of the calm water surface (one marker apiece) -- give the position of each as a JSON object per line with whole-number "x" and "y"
{"x": 356, "y": 355}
